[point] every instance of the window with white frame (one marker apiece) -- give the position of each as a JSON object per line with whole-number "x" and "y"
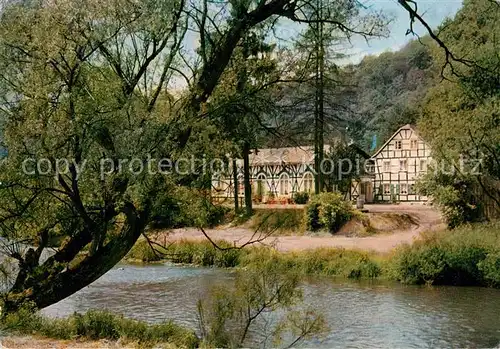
{"x": 411, "y": 189}
{"x": 403, "y": 189}
{"x": 403, "y": 165}
{"x": 414, "y": 144}
{"x": 308, "y": 182}
{"x": 387, "y": 166}
{"x": 423, "y": 165}
{"x": 398, "y": 145}
{"x": 261, "y": 185}
{"x": 284, "y": 184}
{"x": 387, "y": 189}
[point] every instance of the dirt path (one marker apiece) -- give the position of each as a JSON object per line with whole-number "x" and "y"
{"x": 428, "y": 219}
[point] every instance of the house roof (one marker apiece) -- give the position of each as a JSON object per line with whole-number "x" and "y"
{"x": 290, "y": 155}
{"x": 278, "y": 156}
{"x": 405, "y": 127}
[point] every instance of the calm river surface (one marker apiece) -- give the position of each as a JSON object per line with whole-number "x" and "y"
{"x": 360, "y": 315}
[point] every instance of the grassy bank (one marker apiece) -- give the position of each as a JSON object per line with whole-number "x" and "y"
{"x": 328, "y": 261}
{"x": 282, "y": 221}
{"x": 469, "y": 255}
{"x": 295, "y": 221}
{"x": 97, "y": 325}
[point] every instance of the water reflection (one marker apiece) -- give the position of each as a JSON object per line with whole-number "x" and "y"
{"x": 360, "y": 315}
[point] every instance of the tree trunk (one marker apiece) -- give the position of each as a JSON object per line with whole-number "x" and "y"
{"x": 319, "y": 117}
{"x": 246, "y": 174}
{"x": 235, "y": 185}
{"x": 62, "y": 275}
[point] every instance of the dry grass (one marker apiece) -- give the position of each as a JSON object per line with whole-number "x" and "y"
{"x": 31, "y": 342}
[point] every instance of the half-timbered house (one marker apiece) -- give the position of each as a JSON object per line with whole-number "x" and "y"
{"x": 389, "y": 175}
{"x": 397, "y": 166}
{"x": 275, "y": 173}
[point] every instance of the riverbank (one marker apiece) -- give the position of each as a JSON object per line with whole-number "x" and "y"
{"x": 94, "y": 329}
{"x": 31, "y": 342}
{"x": 469, "y": 255}
{"x": 362, "y": 314}
{"x": 391, "y": 225}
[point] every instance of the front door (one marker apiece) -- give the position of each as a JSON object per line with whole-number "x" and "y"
{"x": 368, "y": 191}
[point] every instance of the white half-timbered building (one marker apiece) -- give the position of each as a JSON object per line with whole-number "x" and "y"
{"x": 397, "y": 166}
{"x": 274, "y": 173}
{"x": 389, "y": 175}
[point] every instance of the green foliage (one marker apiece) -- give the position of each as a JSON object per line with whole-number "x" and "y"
{"x": 328, "y": 211}
{"x": 465, "y": 256}
{"x": 301, "y": 198}
{"x": 186, "y": 208}
{"x": 453, "y": 195}
{"x": 327, "y": 261}
{"x": 142, "y": 251}
{"x": 229, "y": 314}
{"x": 188, "y": 252}
{"x": 460, "y": 115}
{"x": 324, "y": 261}
{"x": 312, "y": 216}
{"x": 390, "y": 90}
{"x": 490, "y": 268}
{"x": 341, "y": 169}
{"x": 26, "y": 320}
{"x": 95, "y": 325}
{"x": 278, "y": 221}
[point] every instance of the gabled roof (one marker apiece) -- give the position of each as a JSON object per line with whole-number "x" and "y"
{"x": 290, "y": 155}
{"x": 405, "y": 127}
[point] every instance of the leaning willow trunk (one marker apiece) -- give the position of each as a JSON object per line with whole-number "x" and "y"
{"x": 68, "y": 271}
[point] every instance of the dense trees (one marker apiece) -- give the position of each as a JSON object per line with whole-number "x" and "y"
{"x": 461, "y": 116}
{"x": 389, "y": 90}
{"x": 87, "y": 105}
{"x": 86, "y": 91}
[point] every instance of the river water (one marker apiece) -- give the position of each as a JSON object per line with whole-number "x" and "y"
{"x": 360, "y": 315}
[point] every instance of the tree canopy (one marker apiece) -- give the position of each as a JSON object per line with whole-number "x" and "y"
{"x": 89, "y": 106}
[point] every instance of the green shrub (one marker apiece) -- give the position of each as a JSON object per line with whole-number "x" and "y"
{"x": 490, "y": 268}
{"x": 228, "y": 259}
{"x": 324, "y": 261}
{"x": 312, "y": 216}
{"x": 229, "y": 314}
{"x": 453, "y": 195}
{"x": 188, "y": 252}
{"x": 465, "y": 256}
{"x": 96, "y": 325}
{"x": 186, "y": 208}
{"x": 204, "y": 255}
{"x": 301, "y": 198}
{"x": 26, "y": 320}
{"x": 328, "y": 211}
{"x": 418, "y": 265}
{"x": 469, "y": 255}
{"x": 215, "y": 214}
